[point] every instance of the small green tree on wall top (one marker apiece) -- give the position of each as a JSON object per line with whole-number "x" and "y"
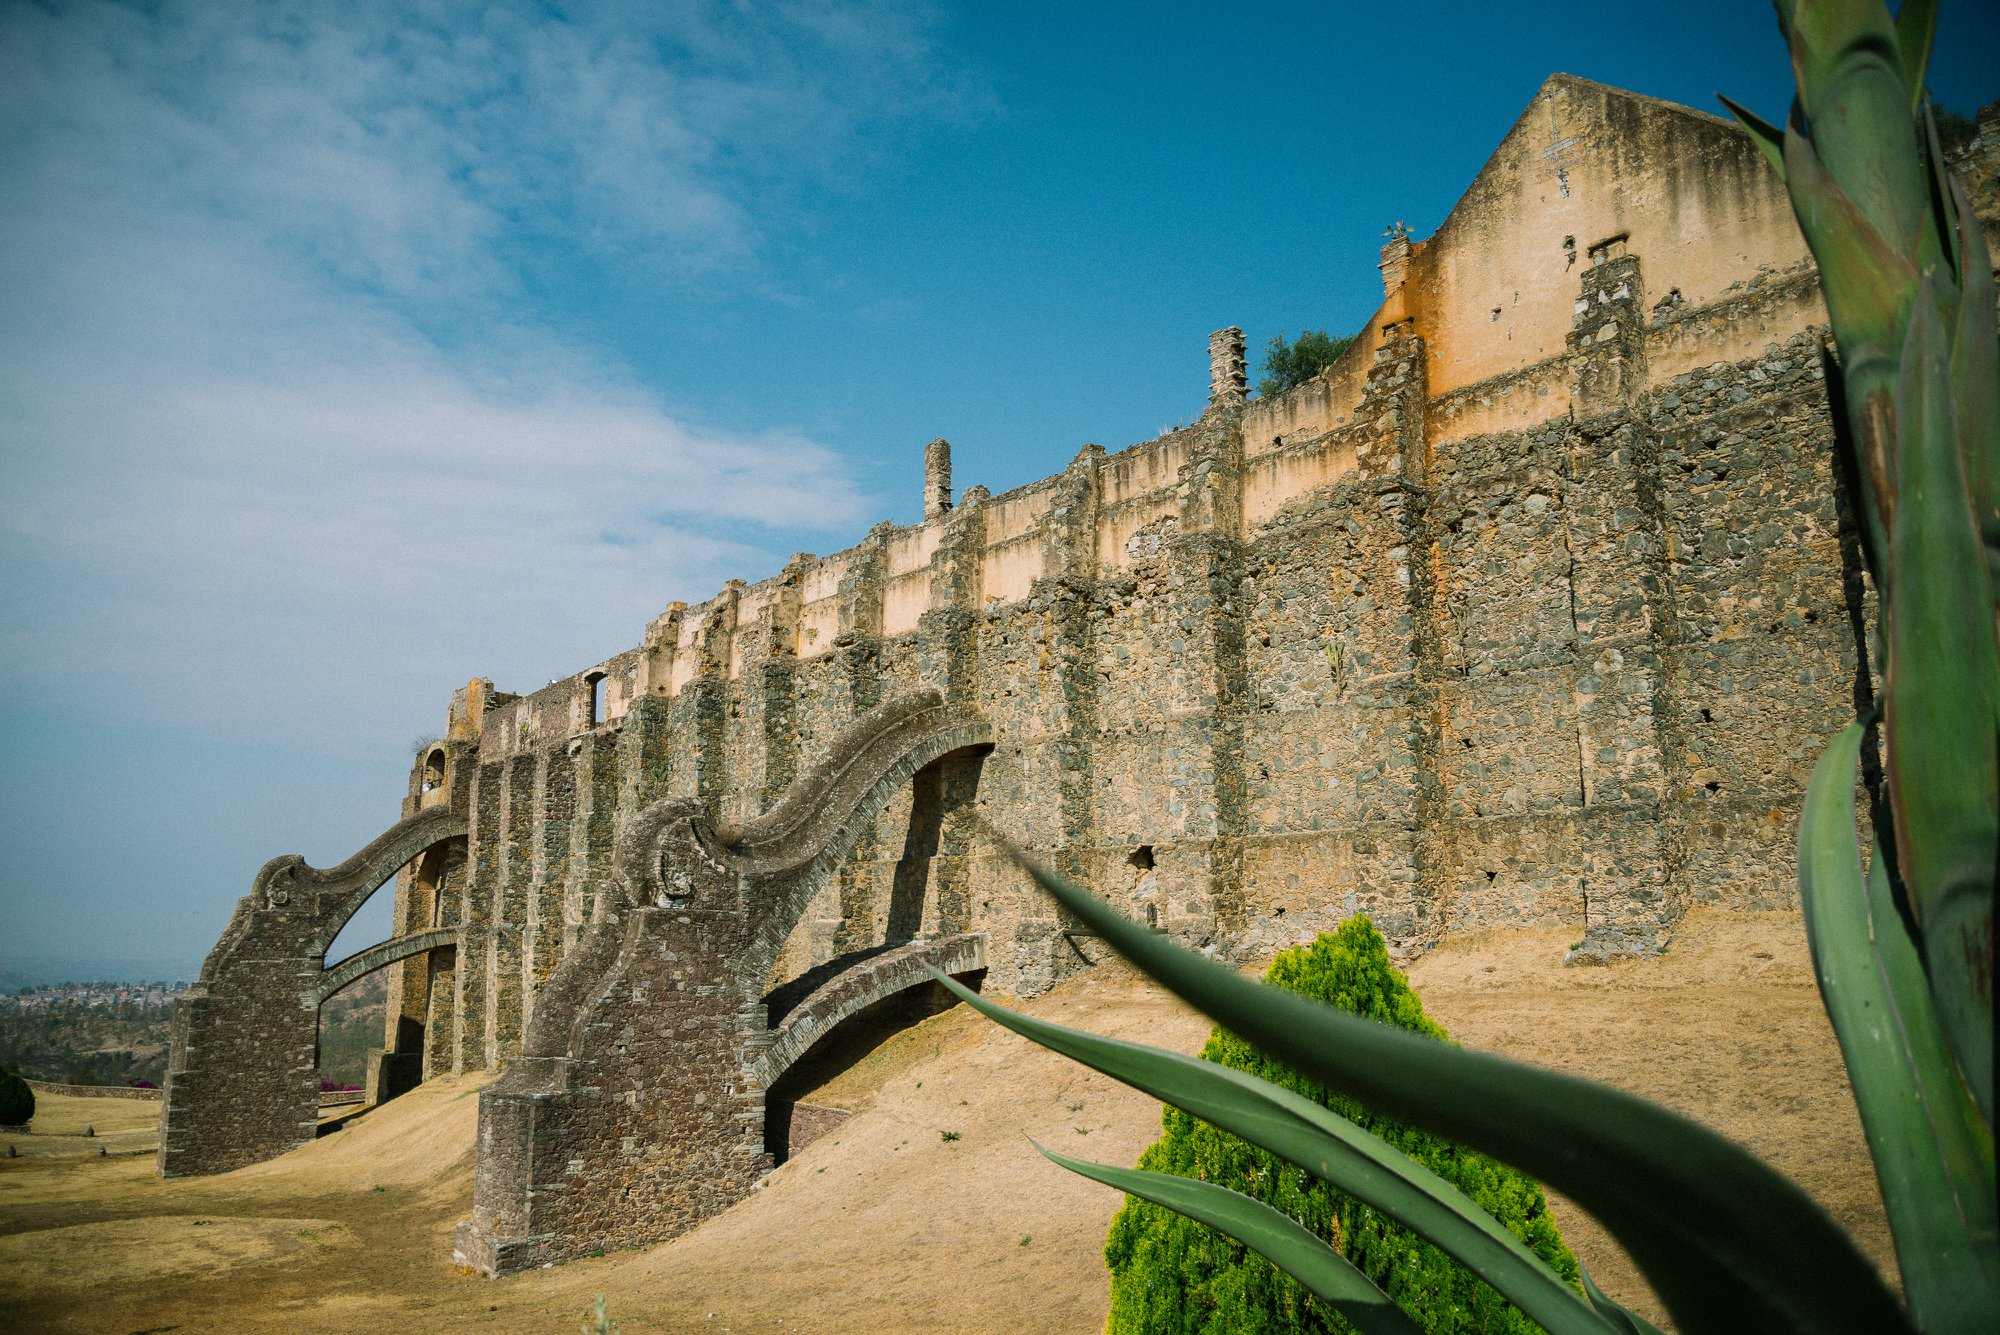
{"x": 1288, "y": 365}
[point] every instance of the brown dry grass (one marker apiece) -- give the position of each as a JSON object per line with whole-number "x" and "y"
{"x": 884, "y": 1226}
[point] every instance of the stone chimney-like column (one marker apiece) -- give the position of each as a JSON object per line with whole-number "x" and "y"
{"x": 1395, "y": 262}
{"x": 937, "y": 478}
{"x": 1226, "y": 377}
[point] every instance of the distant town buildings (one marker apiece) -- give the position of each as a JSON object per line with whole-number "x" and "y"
{"x": 119, "y": 998}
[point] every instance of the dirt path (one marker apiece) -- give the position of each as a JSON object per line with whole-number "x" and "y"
{"x": 885, "y": 1225}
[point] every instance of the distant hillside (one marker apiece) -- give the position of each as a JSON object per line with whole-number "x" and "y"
{"x": 98, "y": 1042}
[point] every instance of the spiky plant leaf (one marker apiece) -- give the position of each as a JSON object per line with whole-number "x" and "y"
{"x": 1933, "y": 1154}
{"x": 1727, "y": 1243}
{"x": 1916, "y": 28}
{"x": 1975, "y": 378}
{"x": 1942, "y": 703}
{"x": 1867, "y": 285}
{"x": 1623, "y": 1318}
{"x": 1275, "y": 1236}
{"x": 1328, "y": 1146}
{"x": 1768, "y": 137}
{"x": 1849, "y": 63}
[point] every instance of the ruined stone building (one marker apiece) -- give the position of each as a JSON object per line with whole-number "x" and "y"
{"x": 1534, "y": 608}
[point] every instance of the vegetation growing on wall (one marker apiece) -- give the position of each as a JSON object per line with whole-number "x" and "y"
{"x": 1290, "y": 364}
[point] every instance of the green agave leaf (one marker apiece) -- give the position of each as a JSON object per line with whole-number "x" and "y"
{"x": 1765, "y": 135}
{"x": 1276, "y": 1237}
{"x": 1847, "y": 457}
{"x": 1916, "y": 28}
{"x": 1937, "y": 253}
{"x": 1867, "y": 286}
{"x": 1328, "y": 1146}
{"x": 1849, "y": 62}
{"x": 1975, "y": 377}
{"x": 1933, "y": 1155}
{"x": 1624, "y": 1318}
{"x": 1727, "y": 1243}
{"x": 1942, "y": 703}
{"x": 1867, "y": 280}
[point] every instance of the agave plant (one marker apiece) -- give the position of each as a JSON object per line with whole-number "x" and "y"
{"x": 1903, "y": 950}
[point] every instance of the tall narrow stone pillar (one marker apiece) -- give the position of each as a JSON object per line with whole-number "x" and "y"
{"x": 708, "y": 695}
{"x": 1395, "y": 263}
{"x": 475, "y": 940}
{"x": 1067, "y": 589}
{"x": 857, "y": 642}
{"x": 950, "y": 626}
{"x": 1397, "y": 455}
{"x": 1201, "y": 868}
{"x": 770, "y": 653}
{"x": 1631, "y": 737}
{"x": 937, "y": 478}
{"x": 1227, "y": 379}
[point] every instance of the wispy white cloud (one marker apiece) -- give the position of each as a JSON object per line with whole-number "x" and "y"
{"x": 277, "y": 421}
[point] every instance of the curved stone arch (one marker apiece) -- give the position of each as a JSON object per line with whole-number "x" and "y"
{"x": 782, "y": 911}
{"x": 337, "y": 893}
{"x": 854, "y": 989}
{"x": 242, "y": 1067}
{"x": 379, "y": 956}
{"x": 643, "y": 1072}
{"x": 773, "y": 866}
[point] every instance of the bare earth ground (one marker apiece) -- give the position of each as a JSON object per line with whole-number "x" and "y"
{"x": 885, "y": 1226}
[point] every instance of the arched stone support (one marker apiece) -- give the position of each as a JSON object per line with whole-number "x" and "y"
{"x": 637, "y": 1108}
{"x": 362, "y": 963}
{"x": 853, "y": 990}
{"x": 243, "y": 1064}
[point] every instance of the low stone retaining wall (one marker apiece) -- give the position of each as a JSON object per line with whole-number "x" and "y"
{"x": 330, "y": 1100}
{"x": 91, "y": 1091}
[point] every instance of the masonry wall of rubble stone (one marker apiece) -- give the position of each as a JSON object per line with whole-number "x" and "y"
{"x": 1573, "y": 673}
{"x": 1557, "y": 645}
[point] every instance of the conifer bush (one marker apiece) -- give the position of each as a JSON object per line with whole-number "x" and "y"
{"x": 17, "y": 1101}
{"x": 1172, "y": 1276}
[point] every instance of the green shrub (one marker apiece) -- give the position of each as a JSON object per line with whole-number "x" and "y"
{"x": 1170, "y": 1274}
{"x": 17, "y": 1101}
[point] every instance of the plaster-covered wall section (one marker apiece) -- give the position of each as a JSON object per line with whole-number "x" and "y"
{"x": 1584, "y": 166}
{"x": 1587, "y": 172}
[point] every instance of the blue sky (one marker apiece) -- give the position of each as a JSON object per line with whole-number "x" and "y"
{"x": 348, "y": 352}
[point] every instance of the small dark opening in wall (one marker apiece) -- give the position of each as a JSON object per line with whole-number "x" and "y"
{"x": 1141, "y": 857}
{"x": 1707, "y": 717}
{"x": 595, "y": 681}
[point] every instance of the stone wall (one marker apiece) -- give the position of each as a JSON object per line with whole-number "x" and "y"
{"x": 635, "y": 1107}
{"x": 90, "y": 1091}
{"x": 1531, "y": 609}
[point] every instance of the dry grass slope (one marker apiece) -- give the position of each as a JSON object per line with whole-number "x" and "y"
{"x": 885, "y": 1225}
